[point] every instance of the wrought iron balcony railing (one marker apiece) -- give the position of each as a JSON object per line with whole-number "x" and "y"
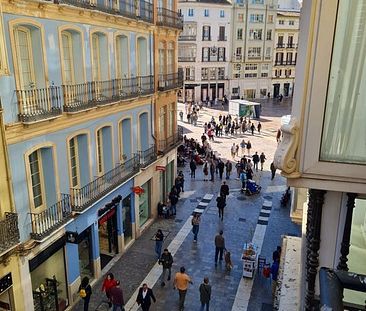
{"x": 186, "y": 58}
{"x": 280, "y": 63}
{"x": 183, "y": 37}
{"x": 291, "y": 45}
{"x": 47, "y": 221}
{"x": 145, "y": 11}
{"x": 148, "y": 156}
{"x": 281, "y": 45}
{"x": 39, "y": 104}
{"x": 81, "y": 198}
{"x": 120, "y": 7}
{"x": 169, "y": 18}
{"x": 9, "y": 232}
{"x": 171, "y": 142}
{"x": 87, "y": 95}
{"x": 170, "y": 81}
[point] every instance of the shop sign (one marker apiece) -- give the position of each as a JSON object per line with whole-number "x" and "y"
{"x": 72, "y": 237}
{"x": 160, "y": 168}
{"x": 138, "y": 190}
{"x": 107, "y": 216}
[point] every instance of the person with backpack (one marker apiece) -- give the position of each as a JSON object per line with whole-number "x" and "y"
{"x": 166, "y": 260}
{"x": 85, "y": 292}
{"x": 195, "y": 226}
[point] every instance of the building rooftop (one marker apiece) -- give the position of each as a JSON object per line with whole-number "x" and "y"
{"x": 222, "y": 2}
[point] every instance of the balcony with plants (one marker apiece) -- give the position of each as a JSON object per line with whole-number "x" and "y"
{"x": 9, "y": 232}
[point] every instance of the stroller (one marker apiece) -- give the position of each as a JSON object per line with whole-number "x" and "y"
{"x": 252, "y": 187}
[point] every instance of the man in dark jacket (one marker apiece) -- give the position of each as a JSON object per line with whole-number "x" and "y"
{"x": 166, "y": 260}
{"x": 221, "y": 205}
{"x": 224, "y": 190}
{"x": 205, "y": 294}
{"x": 255, "y": 160}
{"x": 116, "y": 295}
{"x": 193, "y": 167}
{"x": 221, "y": 167}
{"x": 144, "y": 297}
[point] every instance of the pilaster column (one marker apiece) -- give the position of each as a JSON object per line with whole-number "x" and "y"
{"x": 342, "y": 265}
{"x": 313, "y": 227}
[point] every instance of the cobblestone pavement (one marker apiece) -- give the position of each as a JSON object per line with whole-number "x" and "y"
{"x": 240, "y": 220}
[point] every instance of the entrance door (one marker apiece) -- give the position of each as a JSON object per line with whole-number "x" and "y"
{"x": 286, "y": 89}
{"x": 108, "y": 240}
{"x": 126, "y": 217}
{"x": 276, "y": 90}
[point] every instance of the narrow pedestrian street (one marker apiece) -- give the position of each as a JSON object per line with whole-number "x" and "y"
{"x": 258, "y": 218}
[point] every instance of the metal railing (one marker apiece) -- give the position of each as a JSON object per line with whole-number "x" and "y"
{"x": 169, "y": 18}
{"x": 122, "y": 8}
{"x": 222, "y": 38}
{"x": 170, "y": 81}
{"x": 280, "y": 45}
{"x": 47, "y": 221}
{"x": 9, "y": 232}
{"x": 280, "y": 63}
{"x": 291, "y": 45}
{"x": 186, "y": 58}
{"x": 171, "y": 142}
{"x": 290, "y": 63}
{"x": 87, "y": 95}
{"x": 148, "y": 156}
{"x": 145, "y": 11}
{"x": 187, "y": 38}
{"x": 39, "y": 104}
{"x": 83, "y": 197}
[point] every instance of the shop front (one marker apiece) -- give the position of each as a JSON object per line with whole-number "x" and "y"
{"x": 144, "y": 204}
{"x": 6, "y": 293}
{"x": 48, "y": 278}
{"x": 127, "y": 219}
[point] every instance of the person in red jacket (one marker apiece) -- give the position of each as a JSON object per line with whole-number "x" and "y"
{"x": 108, "y": 283}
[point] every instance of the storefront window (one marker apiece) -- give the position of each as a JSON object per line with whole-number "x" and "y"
{"x": 49, "y": 284}
{"x": 126, "y": 218}
{"x": 144, "y": 206}
{"x": 345, "y": 111}
{"x": 108, "y": 239}
{"x": 85, "y": 258}
{"x": 169, "y": 176}
{"x": 357, "y": 252}
{"x": 162, "y": 186}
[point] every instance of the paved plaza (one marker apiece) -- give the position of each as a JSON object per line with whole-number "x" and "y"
{"x": 257, "y": 218}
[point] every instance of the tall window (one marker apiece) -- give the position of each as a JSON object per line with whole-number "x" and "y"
{"x": 206, "y": 33}
{"x": 222, "y": 13}
{"x": 222, "y": 33}
{"x": 162, "y": 58}
{"x": 221, "y": 54}
{"x": 67, "y": 59}
{"x": 36, "y": 178}
{"x": 96, "y": 57}
{"x": 104, "y": 150}
{"x": 142, "y": 53}
{"x": 239, "y": 34}
{"x": 162, "y": 116}
{"x": 255, "y": 34}
{"x": 170, "y": 57}
{"x": 269, "y": 34}
{"x": 122, "y": 57}
{"x": 74, "y": 162}
{"x": 171, "y": 119}
{"x": 100, "y": 151}
{"x": 206, "y": 13}
{"x": 190, "y": 12}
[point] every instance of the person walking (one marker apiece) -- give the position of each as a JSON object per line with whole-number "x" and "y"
{"x": 181, "y": 116}
{"x": 205, "y": 294}
{"x": 243, "y": 179}
{"x": 219, "y": 246}
{"x": 205, "y": 171}
{"x": 259, "y": 127}
{"x": 144, "y": 297}
{"x": 273, "y": 170}
{"x": 166, "y": 260}
{"x": 108, "y": 283}
{"x": 278, "y": 136}
{"x": 242, "y": 146}
{"x": 193, "y": 167}
{"x": 221, "y": 167}
{"x": 233, "y": 151}
{"x": 252, "y": 128}
{"x": 221, "y": 203}
{"x": 256, "y": 159}
{"x": 173, "y": 198}
{"x": 262, "y": 159}
{"x": 85, "y": 292}
{"x": 195, "y": 225}
{"x": 212, "y": 170}
{"x": 224, "y": 190}
{"x": 249, "y": 146}
{"x": 229, "y": 167}
{"x": 237, "y": 150}
{"x": 181, "y": 282}
{"x": 159, "y": 240}
{"x": 117, "y": 297}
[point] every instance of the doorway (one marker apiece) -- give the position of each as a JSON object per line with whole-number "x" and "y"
{"x": 286, "y": 89}
{"x": 108, "y": 239}
{"x": 276, "y": 90}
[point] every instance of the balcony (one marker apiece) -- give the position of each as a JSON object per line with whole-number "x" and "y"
{"x": 280, "y": 45}
{"x": 39, "y": 104}
{"x": 222, "y": 38}
{"x": 280, "y": 63}
{"x": 148, "y": 156}
{"x": 81, "y": 198}
{"x": 206, "y": 38}
{"x": 165, "y": 145}
{"x": 9, "y": 232}
{"x": 84, "y": 96}
{"x": 169, "y": 18}
{"x": 52, "y": 218}
{"x": 121, "y": 8}
{"x": 186, "y": 58}
{"x": 291, "y": 45}
{"x": 254, "y": 57}
{"x": 187, "y": 38}
{"x": 292, "y": 63}
{"x": 145, "y": 11}
{"x": 170, "y": 81}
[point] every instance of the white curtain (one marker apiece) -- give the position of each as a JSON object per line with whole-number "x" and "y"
{"x": 344, "y": 132}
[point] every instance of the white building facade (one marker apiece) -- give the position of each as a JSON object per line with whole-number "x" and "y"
{"x": 285, "y": 52}
{"x": 204, "y": 49}
{"x": 253, "y": 31}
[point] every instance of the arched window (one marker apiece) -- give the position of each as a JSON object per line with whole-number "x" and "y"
{"x": 99, "y": 53}
{"x": 170, "y": 58}
{"x": 104, "y": 150}
{"x": 162, "y": 59}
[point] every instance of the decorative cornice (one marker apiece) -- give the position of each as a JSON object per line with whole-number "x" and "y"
{"x": 285, "y": 155}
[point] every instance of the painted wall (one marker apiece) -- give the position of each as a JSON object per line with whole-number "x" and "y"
{"x": 17, "y": 160}
{"x": 52, "y": 56}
